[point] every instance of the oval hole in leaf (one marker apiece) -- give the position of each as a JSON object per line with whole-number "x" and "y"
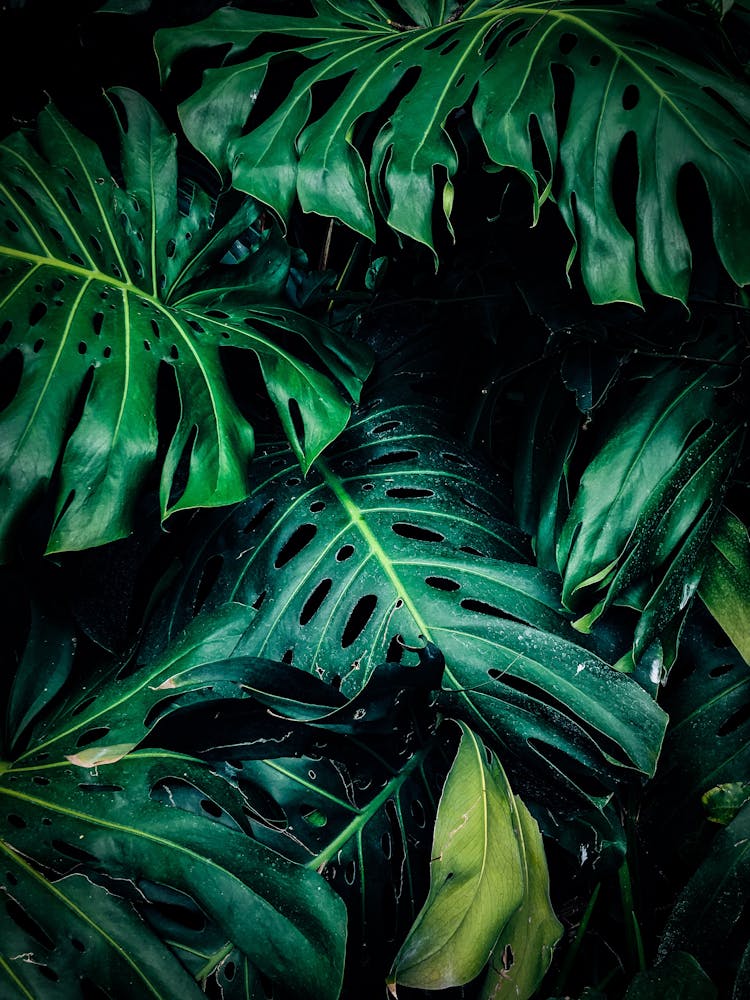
{"x": 394, "y": 457}
{"x": 407, "y": 530}
{"x": 733, "y": 723}
{"x": 567, "y": 42}
{"x": 314, "y": 601}
{"x": 91, "y": 736}
{"x": 344, "y": 553}
{"x": 442, "y": 583}
{"x": 358, "y": 619}
{"x": 74, "y": 852}
{"x": 297, "y": 541}
{"x": 408, "y": 493}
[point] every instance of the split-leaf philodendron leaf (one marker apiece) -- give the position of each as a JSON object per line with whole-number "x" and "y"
{"x": 383, "y": 141}
{"x": 81, "y": 805}
{"x": 399, "y": 534}
{"x": 725, "y": 583}
{"x": 101, "y": 287}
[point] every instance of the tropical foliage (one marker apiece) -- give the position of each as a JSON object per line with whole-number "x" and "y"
{"x": 375, "y": 564}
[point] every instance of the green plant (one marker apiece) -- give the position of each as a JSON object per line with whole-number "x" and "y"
{"x": 370, "y": 628}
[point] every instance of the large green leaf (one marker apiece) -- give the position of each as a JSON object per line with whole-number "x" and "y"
{"x": 644, "y": 507}
{"x": 382, "y": 138}
{"x": 708, "y": 916}
{"x": 101, "y": 287}
{"x": 725, "y": 584}
{"x": 478, "y": 875}
{"x": 523, "y": 951}
{"x": 344, "y": 787}
{"x": 78, "y": 799}
{"x": 399, "y": 534}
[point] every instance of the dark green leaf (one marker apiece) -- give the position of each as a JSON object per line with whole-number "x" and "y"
{"x": 385, "y": 136}
{"x": 723, "y": 802}
{"x": 647, "y": 500}
{"x": 57, "y": 934}
{"x": 113, "y": 821}
{"x": 102, "y": 286}
{"x": 676, "y": 977}
{"x": 401, "y": 534}
{"x": 711, "y": 906}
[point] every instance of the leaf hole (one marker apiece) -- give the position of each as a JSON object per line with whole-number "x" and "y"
{"x": 39, "y": 779}
{"x": 155, "y": 329}
{"x": 358, "y": 619}
{"x": 17, "y": 821}
{"x": 91, "y": 736}
{"x": 47, "y": 972}
{"x": 735, "y": 721}
{"x": 288, "y": 657}
{"x": 82, "y": 347}
{"x": 394, "y": 457}
{"x": 37, "y": 314}
{"x": 170, "y": 249}
{"x": 99, "y": 787}
{"x": 258, "y": 602}
{"x": 471, "y": 604}
{"x": 344, "y": 553}
{"x": 211, "y": 808}
{"x": 298, "y": 540}
{"x": 350, "y": 872}
{"x": 314, "y": 817}
{"x": 408, "y": 493}
{"x": 630, "y": 97}
{"x": 722, "y": 669}
{"x": 96, "y": 322}
{"x": 173, "y": 352}
{"x": 295, "y": 415}
{"x": 316, "y": 506}
{"x": 74, "y": 852}
{"x": 416, "y": 532}
{"x": 387, "y": 425}
{"x": 146, "y": 345}
{"x": 314, "y": 601}
{"x": 442, "y": 583}
{"x": 567, "y": 42}
{"x": 77, "y": 259}
{"x": 395, "y": 651}
{"x": 10, "y": 224}
{"x": 258, "y": 518}
{"x": 417, "y": 812}
{"x": 78, "y": 945}
{"x": 210, "y": 574}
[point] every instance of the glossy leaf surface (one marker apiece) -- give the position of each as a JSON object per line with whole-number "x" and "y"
{"x": 725, "y": 583}
{"x": 523, "y": 951}
{"x": 400, "y": 534}
{"x": 104, "y": 286}
{"x": 646, "y": 502}
{"x": 79, "y": 798}
{"x": 383, "y": 142}
{"x": 478, "y": 875}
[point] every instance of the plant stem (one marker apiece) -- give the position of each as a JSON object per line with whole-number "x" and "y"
{"x": 575, "y": 947}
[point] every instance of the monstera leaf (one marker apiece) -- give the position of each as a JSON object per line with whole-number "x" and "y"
{"x": 104, "y": 286}
{"x": 380, "y": 139}
{"x": 644, "y": 507}
{"x": 400, "y": 535}
{"x": 82, "y": 815}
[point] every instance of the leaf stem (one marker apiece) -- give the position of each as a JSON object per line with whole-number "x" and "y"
{"x": 575, "y": 947}
{"x": 214, "y": 961}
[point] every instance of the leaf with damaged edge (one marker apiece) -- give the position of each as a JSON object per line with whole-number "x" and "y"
{"x": 477, "y": 875}
{"x": 523, "y": 951}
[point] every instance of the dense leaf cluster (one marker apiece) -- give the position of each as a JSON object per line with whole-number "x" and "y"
{"x": 375, "y": 566}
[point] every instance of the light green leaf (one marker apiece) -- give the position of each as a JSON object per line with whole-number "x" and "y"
{"x": 384, "y": 138}
{"x": 523, "y": 951}
{"x": 725, "y": 584}
{"x": 102, "y": 288}
{"x": 723, "y": 802}
{"x": 477, "y": 875}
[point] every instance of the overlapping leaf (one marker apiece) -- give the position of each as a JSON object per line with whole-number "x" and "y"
{"x": 381, "y": 140}
{"x": 346, "y": 787}
{"x": 103, "y": 286}
{"x": 478, "y": 876}
{"x": 400, "y": 534}
{"x": 78, "y": 799}
{"x": 725, "y": 583}
{"x": 645, "y": 504}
